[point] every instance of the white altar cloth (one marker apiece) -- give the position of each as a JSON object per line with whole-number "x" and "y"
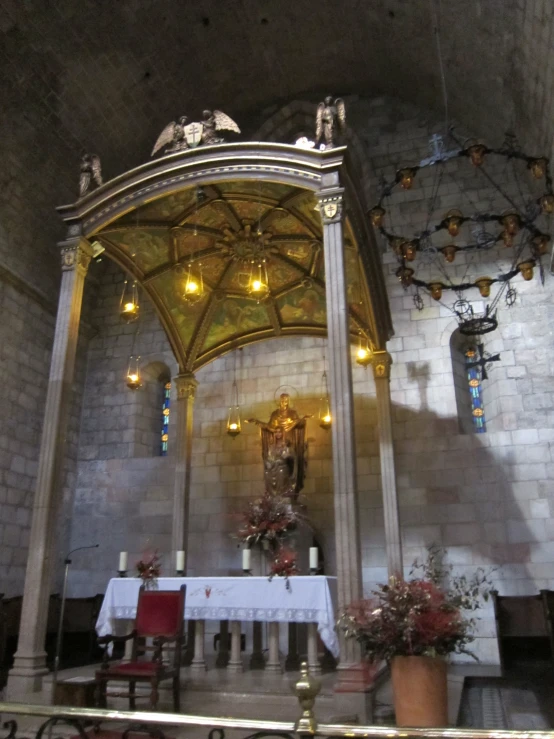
{"x": 311, "y": 599}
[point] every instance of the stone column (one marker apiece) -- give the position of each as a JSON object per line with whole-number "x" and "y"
{"x": 30, "y": 658}
{"x": 382, "y": 362}
{"x": 186, "y": 388}
{"x": 347, "y": 534}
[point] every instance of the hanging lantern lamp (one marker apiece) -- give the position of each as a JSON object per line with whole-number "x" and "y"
{"x": 547, "y": 203}
{"x": 258, "y": 285}
{"x": 526, "y": 269}
{"x": 453, "y": 220}
{"x": 435, "y": 288}
{"x": 538, "y": 167}
{"x": 449, "y": 252}
{"x": 476, "y": 152}
{"x": 325, "y": 418}
{"x": 484, "y": 285}
{"x": 129, "y": 308}
{"x": 363, "y": 353}
{"x": 376, "y": 215}
{"x": 133, "y": 379}
{"x": 233, "y": 419}
{"x": 406, "y": 177}
{"x": 193, "y": 289}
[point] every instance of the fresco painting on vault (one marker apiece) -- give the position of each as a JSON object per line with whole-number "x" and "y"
{"x": 300, "y": 252}
{"x": 167, "y": 208}
{"x": 306, "y": 206}
{"x": 149, "y": 248}
{"x": 248, "y": 209}
{"x": 234, "y": 317}
{"x": 283, "y": 222}
{"x": 304, "y": 305}
{"x": 189, "y": 243}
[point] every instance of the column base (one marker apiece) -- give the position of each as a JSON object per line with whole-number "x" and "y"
{"x": 235, "y": 667}
{"x": 26, "y": 676}
{"x": 198, "y": 666}
{"x": 356, "y": 685}
{"x": 355, "y": 678}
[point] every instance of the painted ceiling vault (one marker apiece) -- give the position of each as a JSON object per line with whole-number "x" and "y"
{"x": 223, "y": 230}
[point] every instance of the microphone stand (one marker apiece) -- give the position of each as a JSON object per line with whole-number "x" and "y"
{"x": 59, "y": 636}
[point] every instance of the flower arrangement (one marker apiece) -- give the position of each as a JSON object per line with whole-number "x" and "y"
{"x": 149, "y": 568}
{"x": 422, "y": 616}
{"x": 268, "y": 518}
{"x": 284, "y": 564}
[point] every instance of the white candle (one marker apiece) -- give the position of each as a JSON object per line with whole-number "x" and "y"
{"x": 246, "y": 553}
{"x": 314, "y": 558}
{"x": 122, "y": 561}
{"x": 180, "y": 560}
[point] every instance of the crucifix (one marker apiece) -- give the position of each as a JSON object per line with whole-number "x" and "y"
{"x": 483, "y": 360}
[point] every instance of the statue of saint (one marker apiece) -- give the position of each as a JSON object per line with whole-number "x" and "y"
{"x": 283, "y": 449}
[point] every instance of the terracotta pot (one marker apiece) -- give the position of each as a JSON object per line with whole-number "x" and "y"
{"x": 420, "y": 691}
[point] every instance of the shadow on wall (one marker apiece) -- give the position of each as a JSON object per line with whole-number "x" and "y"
{"x": 465, "y": 492}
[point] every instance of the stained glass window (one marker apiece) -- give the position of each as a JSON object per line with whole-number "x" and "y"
{"x": 165, "y": 418}
{"x": 474, "y": 384}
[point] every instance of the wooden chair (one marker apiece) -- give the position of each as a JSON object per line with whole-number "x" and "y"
{"x": 159, "y": 618}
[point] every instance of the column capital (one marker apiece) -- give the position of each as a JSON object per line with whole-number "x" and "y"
{"x": 75, "y": 254}
{"x": 186, "y": 384}
{"x": 381, "y": 362}
{"x": 331, "y": 204}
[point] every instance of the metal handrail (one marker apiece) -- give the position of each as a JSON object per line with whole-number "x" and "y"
{"x": 149, "y": 718}
{"x": 144, "y": 717}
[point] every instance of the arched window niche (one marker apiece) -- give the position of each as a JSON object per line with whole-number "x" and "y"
{"x": 151, "y": 411}
{"x": 468, "y": 386}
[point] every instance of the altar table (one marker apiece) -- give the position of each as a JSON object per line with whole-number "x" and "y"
{"x": 310, "y": 599}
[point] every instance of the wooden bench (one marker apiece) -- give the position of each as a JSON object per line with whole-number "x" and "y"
{"x": 524, "y": 625}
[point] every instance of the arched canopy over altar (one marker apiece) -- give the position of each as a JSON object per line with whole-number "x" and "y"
{"x": 222, "y": 206}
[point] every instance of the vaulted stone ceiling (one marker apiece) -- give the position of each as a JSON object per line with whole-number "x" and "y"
{"x": 226, "y": 229}
{"x": 111, "y": 75}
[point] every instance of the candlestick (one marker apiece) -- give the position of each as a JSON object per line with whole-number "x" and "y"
{"x": 123, "y": 561}
{"x": 180, "y": 562}
{"x": 246, "y": 560}
{"x": 314, "y": 560}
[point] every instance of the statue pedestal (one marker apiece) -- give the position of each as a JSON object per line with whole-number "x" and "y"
{"x": 301, "y": 539}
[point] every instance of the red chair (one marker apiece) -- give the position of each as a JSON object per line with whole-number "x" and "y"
{"x": 160, "y": 618}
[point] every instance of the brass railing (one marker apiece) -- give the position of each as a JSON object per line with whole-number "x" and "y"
{"x": 149, "y": 720}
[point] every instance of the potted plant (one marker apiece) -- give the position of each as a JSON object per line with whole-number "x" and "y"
{"x": 413, "y": 625}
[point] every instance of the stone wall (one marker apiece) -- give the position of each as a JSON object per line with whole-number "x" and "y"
{"x": 32, "y": 183}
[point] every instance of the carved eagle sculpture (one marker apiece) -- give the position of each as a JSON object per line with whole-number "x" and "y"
{"x": 178, "y": 135}
{"x": 330, "y": 116}
{"x": 91, "y": 173}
